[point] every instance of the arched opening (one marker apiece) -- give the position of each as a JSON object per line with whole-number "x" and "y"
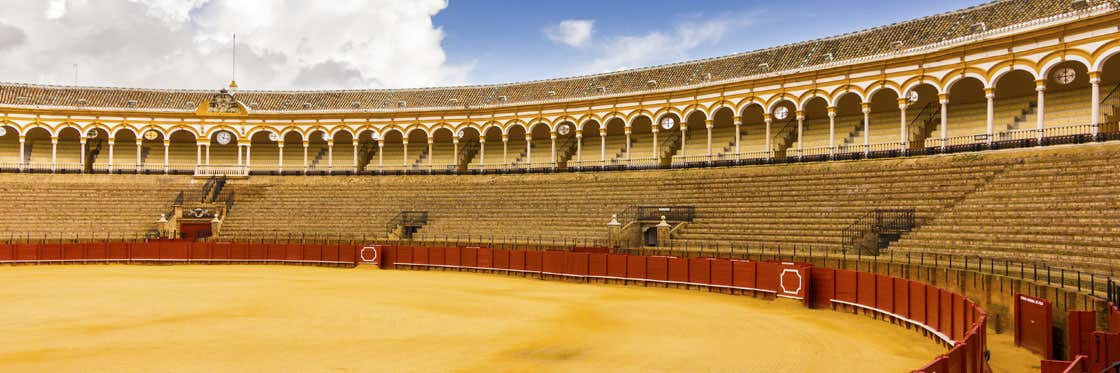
{"x": 417, "y": 149}
{"x": 391, "y": 154}
{"x": 341, "y": 158}
{"x": 69, "y": 152}
{"x": 264, "y": 152}
{"x": 183, "y": 152}
{"x": 884, "y": 127}
{"x": 752, "y": 142}
{"x": 783, "y": 128}
{"x": 97, "y": 151}
{"x": 127, "y": 151}
{"x": 514, "y": 148}
{"x": 923, "y": 116}
{"x": 367, "y": 150}
{"x": 848, "y": 137}
{"x": 694, "y": 144}
{"x": 317, "y": 151}
{"x": 490, "y": 152}
{"x": 814, "y": 134}
{"x": 1015, "y": 107}
{"x": 539, "y": 153}
{"x": 649, "y": 237}
{"x": 616, "y": 146}
{"x": 723, "y": 133}
{"x": 37, "y": 149}
{"x": 291, "y": 160}
{"x": 1109, "y": 96}
{"x": 9, "y": 148}
{"x": 223, "y": 149}
{"x": 469, "y": 147}
{"x": 442, "y": 155}
{"x": 1068, "y": 100}
{"x": 592, "y": 145}
{"x": 566, "y": 142}
{"x": 967, "y": 112}
{"x": 151, "y": 151}
{"x": 643, "y": 149}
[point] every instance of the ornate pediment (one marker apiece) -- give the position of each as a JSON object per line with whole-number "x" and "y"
{"x": 222, "y": 103}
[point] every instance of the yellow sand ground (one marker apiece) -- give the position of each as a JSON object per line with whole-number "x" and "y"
{"x": 275, "y": 318}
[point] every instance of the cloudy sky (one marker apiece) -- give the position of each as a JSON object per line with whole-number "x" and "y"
{"x": 305, "y": 44}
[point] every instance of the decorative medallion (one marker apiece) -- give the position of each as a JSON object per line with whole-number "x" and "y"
{"x": 91, "y": 134}
{"x": 1065, "y": 75}
{"x": 223, "y": 103}
{"x": 564, "y": 129}
{"x": 781, "y": 113}
{"x": 223, "y": 138}
{"x": 668, "y": 123}
{"x": 273, "y": 136}
{"x": 3, "y": 131}
{"x": 151, "y": 135}
{"x": 912, "y": 97}
{"x": 460, "y": 134}
{"x": 325, "y": 137}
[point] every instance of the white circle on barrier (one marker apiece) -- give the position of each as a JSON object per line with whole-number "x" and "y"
{"x": 368, "y": 259}
{"x": 782, "y": 281}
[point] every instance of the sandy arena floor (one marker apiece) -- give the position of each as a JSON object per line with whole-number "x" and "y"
{"x": 273, "y": 318}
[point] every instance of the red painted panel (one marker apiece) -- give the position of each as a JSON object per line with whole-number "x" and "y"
{"x": 865, "y": 289}
{"x": 823, "y": 288}
{"x": 901, "y": 294}
{"x": 295, "y": 252}
{"x": 72, "y": 251}
{"x": 175, "y": 250}
{"x": 1034, "y": 325}
{"x": 938, "y": 365}
{"x": 118, "y": 250}
{"x": 99, "y": 250}
{"x": 918, "y": 301}
{"x": 933, "y": 307}
{"x": 435, "y": 255}
{"x": 1114, "y": 319}
{"x": 657, "y": 268}
{"x": 720, "y": 270}
{"x": 484, "y": 258}
{"x": 337, "y": 255}
{"x": 401, "y": 254}
{"x": 700, "y": 270}
{"x": 678, "y": 269}
{"x": 220, "y": 251}
{"x": 946, "y": 318}
{"x": 420, "y": 255}
{"x": 960, "y": 328}
{"x": 26, "y": 251}
{"x": 846, "y": 285}
{"x": 597, "y": 264}
{"x": 766, "y": 277}
{"x": 517, "y": 260}
{"x": 1061, "y": 366}
{"x": 468, "y": 257}
{"x": 576, "y": 263}
{"x": 794, "y": 280}
{"x": 884, "y": 293}
{"x": 533, "y": 261}
{"x": 744, "y": 274}
{"x": 1079, "y": 332}
{"x": 554, "y": 262}
{"x": 452, "y": 256}
{"x": 200, "y": 250}
{"x": 256, "y": 252}
{"x": 1106, "y": 349}
{"x": 636, "y": 267}
{"x": 956, "y": 361}
{"x": 616, "y": 265}
{"x": 7, "y": 252}
{"x": 500, "y": 259}
{"x": 315, "y": 252}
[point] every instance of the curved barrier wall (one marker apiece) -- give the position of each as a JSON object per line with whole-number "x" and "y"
{"x": 179, "y": 251}
{"x": 949, "y": 317}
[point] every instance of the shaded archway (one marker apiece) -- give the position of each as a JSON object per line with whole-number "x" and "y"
{"x": 615, "y": 146}
{"x": 224, "y": 149}
{"x": 391, "y": 153}
{"x": 966, "y": 112}
{"x": 646, "y": 142}
{"x": 813, "y": 133}
{"x": 37, "y": 149}
{"x": 183, "y": 152}
{"x": 316, "y": 151}
{"x": 492, "y": 136}
{"x": 68, "y": 155}
{"x": 1015, "y": 113}
{"x": 153, "y": 153}
{"x": 539, "y": 152}
{"x": 291, "y": 152}
{"x": 753, "y": 143}
{"x": 263, "y": 154}
{"x": 567, "y": 143}
{"x": 515, "y": 144}
{"x": 693, "y": 136}
{"x": 884, "y": 123}
{"x": 9, "y": 148}
{"x": 722, "y": 133}
{"x": 97, "y": 150}
{"x": 468, "y": 147}
{"x": 1064, "y": 105}
{"x": 441, "y": 151}
{"x": 923, "y": 116}
{"x": 416, "y": 149}
{"x": 342, "y": 153}
{"x": 367, "y": 150}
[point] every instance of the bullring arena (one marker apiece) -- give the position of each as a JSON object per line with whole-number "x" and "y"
{"x": 934, "y": 195}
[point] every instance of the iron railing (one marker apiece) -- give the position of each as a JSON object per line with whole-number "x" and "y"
{"x": 407, "y": 218}
{"x": 654, "y": 213}
{"x": 866, "y": 235}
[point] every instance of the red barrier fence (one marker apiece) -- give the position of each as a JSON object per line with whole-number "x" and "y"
{"x": 1034, "y": 325}
{"x": 1077, "y": 365}
{"x": 179, "y": 251}
{"x": 953, "y": 319}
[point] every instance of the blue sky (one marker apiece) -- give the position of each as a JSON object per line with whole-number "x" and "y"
{"x": 504, "y": 40}
{"x": 361, "y": 44}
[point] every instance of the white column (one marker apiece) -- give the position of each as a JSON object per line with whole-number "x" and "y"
{"x": 769, "y": 146}
{"x": 197, "y": 154}
{"x": 207, "y": 153}
{"x": 111, "y": 147}
{"x": 481, "y": 150}
{"x": 528, "y": 149}
{"x": 579, "y": 146}
{"x": 684, "y": 139}
{"x": 22, "y": 153}
{"x": 738, "y": 134}
{"x": 280, "y": 156}
{"x": 455, "y": 151}
{"x": 305, "y": 145}
{"x": 1040, "y": 87}
{"x": 139, "y": 144}
{"x": 330, "y": 156}
{"x": 505, "y": 149}
{"x": 943, "y": 99}
{"x": 866, "y": 109}
{"x": 552, "y": 137}
{"x": 355, "y": 155}
{"x": 831, "y": 131}
{"x": 1095, "y": 81}
{"x": 54, "y": 152}
{"x": 656, "y": 153}
{"x": 431, "y": 154}
{"x": 404, "y": 159}
{"x": 603, "y": 146}
{"x": 709, "y": 124}
{"x": 248, "y": 155}
{"x": 380, "y": 155}
{"x": 800, "y": 131}
{"x": 990, "y": 95}
{"x": 166, "y": 156}
{"x": 903, "y": 137}
{"x": 82, "y": 153}
{"x": 628, "y": 144}
{"x": 240, "y": 154}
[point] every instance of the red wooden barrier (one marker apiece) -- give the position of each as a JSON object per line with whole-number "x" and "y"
{"x": 533, "y": 261}
{"x": 824, "y": 287}
{"x": 657, "y": 268}
{"x": 616, "y": 265}
{"x": 743, "y": 274}
{"x": 721, "y": 272}
{"x": 597, "y": 265}
{"x": 636, "y": 267}
{"x": 469, "y": 257}
{"x": 1080, "y": 326}
{"x": 1113, "y": 319}
{"x": 1077, "y": 365}
{"x": 677, "y": 270}
{"x": 1106, "y": 350}
{"x": 484, "y": 257}
{"x": 700, "y": 270}
{"x": 501, "y": 258}
{"x": 1034, "y": 323}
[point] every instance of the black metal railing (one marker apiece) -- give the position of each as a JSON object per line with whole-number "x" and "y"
{"x": 407, "y": 219}
{"x": 876, "y": 229}
{"x": 654, "y": 213}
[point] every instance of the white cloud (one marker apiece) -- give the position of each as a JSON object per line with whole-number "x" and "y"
{"x": 657, "y": 47}
{"x": 186, "y": 43}
{"x": 572, "y": 32}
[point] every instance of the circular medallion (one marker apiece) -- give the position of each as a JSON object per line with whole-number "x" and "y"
{"x": 273, "y": 136}
{"x": 564, "y": 130}
{"x": 151, "y": 135}
{"x": 1065, "y": 75}
{"x": 325, "y": 137}
{"x": 668, "y": 123}
{"x": 223, "y": 138}
{"x": 375, "y": 136}
{"x": 460, "y": 134}
{"x": 912, "y": 97}
{"x": 3, "y": 131}
{"x": 781, "y": 113}
{"x": 91, "y": 134}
